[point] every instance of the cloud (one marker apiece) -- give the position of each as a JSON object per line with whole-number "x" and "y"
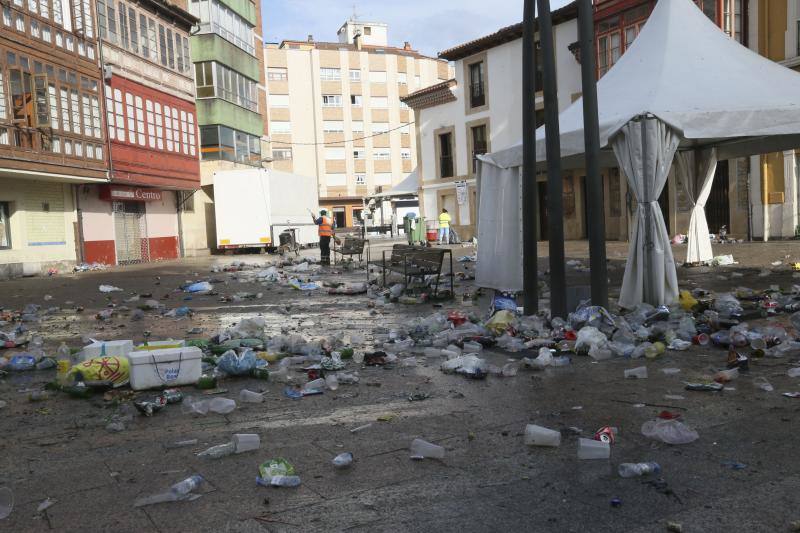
{"x": 429, "y": 25}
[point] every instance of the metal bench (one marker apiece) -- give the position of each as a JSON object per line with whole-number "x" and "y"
{"x": 351, "y": 246}
{"x": 415, "y": 262}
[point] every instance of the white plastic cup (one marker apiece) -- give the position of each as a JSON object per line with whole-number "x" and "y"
{"x": 423, "y": 449}
{"x": 637, "y": 373}
{"x": 248, "y": 396}
{"x": 540, "y": 436}
{"x": 221, "y": 406}
{"x": 6, "y": 502}
{"x": 332, "y": 382}
{"x": 246, "y": 442}
{"x": 593, "y": 449}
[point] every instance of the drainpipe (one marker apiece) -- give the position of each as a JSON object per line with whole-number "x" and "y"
{"x": 179, "y": 209}
{"x": 80, "y": 255}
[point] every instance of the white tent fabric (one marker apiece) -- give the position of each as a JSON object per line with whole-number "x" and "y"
{"x": 686, "y": 71}
{"x": 692, "y": 170}
{"x": 710, "y": 91}
{"x": 500, "y": 214}
{"x": 645, "y": 149}
{"x": 409, "y": 186}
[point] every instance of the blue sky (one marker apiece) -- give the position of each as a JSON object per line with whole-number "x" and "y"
{"x": 429, "y": 25}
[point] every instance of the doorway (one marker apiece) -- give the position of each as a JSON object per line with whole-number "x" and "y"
{"x": 130, "y": 226}
{"x": 339, "y": 217}
{"x": 663, "y": 202}
{"x": 718, "y": 209}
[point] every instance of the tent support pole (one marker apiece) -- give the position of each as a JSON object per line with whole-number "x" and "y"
{"x": 648, "y": 233}
{"x": 530, "y": 200}
{"x": 555, "y": 183}
{"x": 594, "y": 181}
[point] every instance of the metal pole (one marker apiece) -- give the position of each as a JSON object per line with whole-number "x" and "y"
{"x": 648, "y": 233}
{"x": 555, "y": 183}
{"x": 530, "y": 200}
{"x": 595, "y": 202}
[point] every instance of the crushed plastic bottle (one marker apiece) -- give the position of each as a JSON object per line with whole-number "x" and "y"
{"x": 638, "y": 469}
{"x": 219, "y": 451}
{"x": 178, "y": 492}
{"x": 279, "y": 481}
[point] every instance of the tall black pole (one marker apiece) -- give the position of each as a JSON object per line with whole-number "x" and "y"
{"x": 555, "y": 184}
{"x": 530, "y": 200}
{"x": 595, "y": 203}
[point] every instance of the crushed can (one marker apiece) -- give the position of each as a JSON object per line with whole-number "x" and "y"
{"x": 605, "y": 434}
{"x": 172, "y": 396}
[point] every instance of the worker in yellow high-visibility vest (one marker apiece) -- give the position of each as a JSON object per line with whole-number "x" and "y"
{"x": 325, "y": 232}
{"x": 444, "y": 227}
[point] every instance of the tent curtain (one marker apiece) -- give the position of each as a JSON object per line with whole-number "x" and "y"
{"x": 500, "y": 228}
{"x": 693, "y": 168}
{"x": 645, "y": 148}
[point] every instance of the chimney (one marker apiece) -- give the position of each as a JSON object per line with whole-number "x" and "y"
{"x": 407, "y": 46}
{"x": 357, "y": 40}
{"x": 310, "y": 38}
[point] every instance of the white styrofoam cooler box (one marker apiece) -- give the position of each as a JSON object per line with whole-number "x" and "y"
{"x": 165, "y": 368}
{"x": 111, "y": 349}
{"x": 160, "y": 345}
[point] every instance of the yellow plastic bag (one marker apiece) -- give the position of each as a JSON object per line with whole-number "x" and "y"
{"x": 687, "y": 300}
{"x": 500, "y": 322}
{"x": 117, "y": 370}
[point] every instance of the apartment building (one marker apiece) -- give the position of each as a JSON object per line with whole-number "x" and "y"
{"x": 227, "y": 52}
{"x": 335, "y": 112}
{"x": 51, "y": 134}
{"x": 479, "y": 110}
{"x": 151, "y": 127}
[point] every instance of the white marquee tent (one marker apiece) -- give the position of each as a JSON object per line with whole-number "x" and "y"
{"x": 684, "y": 87}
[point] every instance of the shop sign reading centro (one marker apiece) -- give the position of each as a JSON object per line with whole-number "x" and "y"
{"x": 116, "y": 193}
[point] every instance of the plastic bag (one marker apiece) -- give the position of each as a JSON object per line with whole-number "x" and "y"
{"x": 109, "y": 288}
{"x": 199, "y": 287}
{"x": 588, "y": 337}
{"x": 349, "y": 288}
{"x": 669, "y": 431}
{"x": 501, "y": 302}
{"x": 117, "y": 370}
{"x": 500, "y": 321}
{"x": 237, "y": 365}
{"x": 592, "y": 315}
{"x": 249, "y": 328}
{"x": 22, "y": 363}
{"x": 270, "y": 274}
{"x": 297, "y": 284}
{"x": 687, "y": 301}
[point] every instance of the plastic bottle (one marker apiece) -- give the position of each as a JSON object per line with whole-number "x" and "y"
{"x": 216, "y": 452}
{"x": 63, "y": 363}
{"x": 178, "y": 491}
{"x": 279, "y": 481}
{"x": 638, "y": 469}
{"x": 638, "y": 372}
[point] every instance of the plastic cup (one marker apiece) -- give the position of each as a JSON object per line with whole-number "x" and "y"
{"x": 422, "y": 449}
{"x": 248, "y": 396}
{"x": 540, "y": 436}
{"x": 221, "y": 406}
{"x": 317, "y": 384}
{"x": 758, "y": 343}
{"x": 593, "y": 449}
{"x": 6, "y": 502}
{"x": 246, "y": 442}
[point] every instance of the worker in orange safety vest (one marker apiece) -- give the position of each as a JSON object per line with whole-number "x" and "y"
{"x": 325, "y": 231}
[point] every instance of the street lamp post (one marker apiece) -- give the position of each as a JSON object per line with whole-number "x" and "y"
{"x": 530, "y": 201}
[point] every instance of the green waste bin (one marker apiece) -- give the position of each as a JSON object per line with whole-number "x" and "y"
{"x": 414, "y": 228}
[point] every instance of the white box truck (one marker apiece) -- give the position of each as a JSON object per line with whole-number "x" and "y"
{"x": 253, "y": 207}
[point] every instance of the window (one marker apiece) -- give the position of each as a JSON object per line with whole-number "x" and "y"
{"x": 35, "y": 29}
{"x": 170, "y": 50}
{"x": 402, "y": 79}
{"x": 192, "y": 136}
{"x": 357, "y": 126}
{"x": 277, "y": 74}
{"x": 279, "y": 100}
{"x": 96, "y": 118}
{"x": 446, "y": 155}
{"x": 379, "y": 102}
{"x": 377, "y": 76}
{"x": 608, "y": 52}
{"x": 159, "y": 127}
{"x": 282, "y": 154}
{"x": 336, "y": 180}
{"x": 732, "y": 18}
{"x": 134, "y": 31}
{"x": 153, "y": 39}
{"x": 367, "y": 30}
{"x": 359, "y": 154}
{"x": 3, "y": 112}
{"x": 86, "y": 109}
{"x": 140, "y": 136}
{"x": 330, "y": 74}
{"x": 179, "y": 53}
{"x": 123, "y": 26}
{"x": 477, "y": 94}
{"x": 204, "y": 78}
{"x": 130, "y": 115}
{"x": 5, "y": 224}
{"x": 57, "y": 12}
{"x": 355, "y": 100}
{"x": 145, "y": 40}
{"x": 162, "y": 40}
{"x": 20, "y": 23}
{"x": 361, "y": 179}
{"x": 381, "y": 154}
{"x": 331, "y": 100}
{"x": 355, "y": 74}
{"x": 217, "y": 18}
{"x": 119, "y": 113}
{"x": 380, "y": 127}
{"x": 6, "y": 16}
{"x": 336, "y": 154}
{"x": 709, "y": 7}
{"x": 46, "y": 35}
{"x": 405, "y": 153}
{"x": 333, "y": 126}
{"x": 479, "y": 145}
{"x": 235, "y": 87}
{"x": 280, "y": 126}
